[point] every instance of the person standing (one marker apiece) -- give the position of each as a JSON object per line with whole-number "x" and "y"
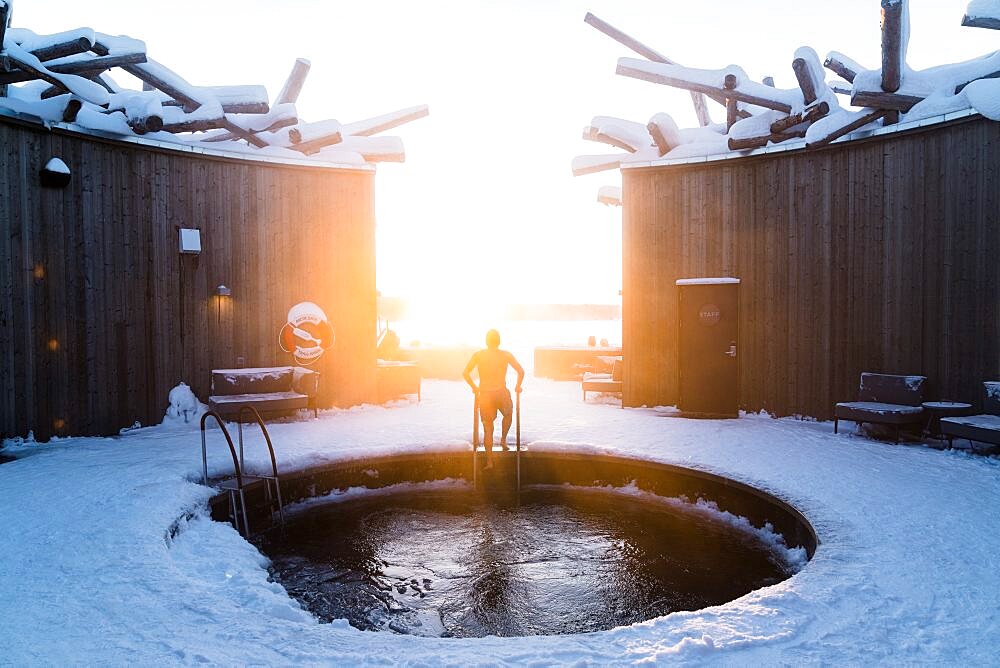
{"x": 492, "y": 391}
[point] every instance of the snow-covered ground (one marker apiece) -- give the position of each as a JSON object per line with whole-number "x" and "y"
{"x": 99, "y": 564}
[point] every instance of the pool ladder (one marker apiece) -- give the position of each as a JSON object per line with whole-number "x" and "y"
{"x": 517, "y": 442}
{"x": 238, "y": 485}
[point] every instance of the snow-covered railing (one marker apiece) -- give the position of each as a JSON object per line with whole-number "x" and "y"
{"x": 62, "y": 78}
{"x": 813, "y": 114}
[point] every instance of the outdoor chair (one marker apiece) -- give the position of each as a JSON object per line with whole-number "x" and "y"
{"x": 984, "y": 427}
{"x": 884, "y": 399}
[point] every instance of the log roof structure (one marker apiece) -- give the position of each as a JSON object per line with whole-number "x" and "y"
{"x": 63, "y": 78}
{"x": 815, "y": 113}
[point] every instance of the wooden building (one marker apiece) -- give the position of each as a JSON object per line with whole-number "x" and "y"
{"x": 100, "y": 315}
{"x": 877, "y": 254}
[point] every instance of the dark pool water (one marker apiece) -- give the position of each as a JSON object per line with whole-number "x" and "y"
{"x": 457, "y": 563}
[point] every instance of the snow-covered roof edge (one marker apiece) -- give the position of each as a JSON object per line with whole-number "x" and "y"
{"x": 801, "y": 146}
{"x": 185, "y": 147}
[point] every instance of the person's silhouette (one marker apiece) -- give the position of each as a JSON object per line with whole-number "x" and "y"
{"x": 492, "y": 390}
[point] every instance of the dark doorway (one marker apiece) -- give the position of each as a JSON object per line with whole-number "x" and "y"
{"x": 709, "y": 336}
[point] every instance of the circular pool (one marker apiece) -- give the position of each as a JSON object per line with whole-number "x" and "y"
{"x": 407, "y": 544}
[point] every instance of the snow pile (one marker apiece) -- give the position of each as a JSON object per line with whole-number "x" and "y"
{"x": 983, "y": 9}
{"x": 184, "y": 405}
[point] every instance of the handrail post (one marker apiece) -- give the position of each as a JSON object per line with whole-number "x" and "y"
{"x": 475, "y": 441}
{"x": 270, "y": 449}
{"x": 517, "y": 413}
{"x": 236, "y": 464}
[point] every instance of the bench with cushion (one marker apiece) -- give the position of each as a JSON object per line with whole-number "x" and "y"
{"x": 884, "y": 399}
{"x": 985, "y": 427}
{"x": 272, "y": 390}
{"x": 604, "y": 382}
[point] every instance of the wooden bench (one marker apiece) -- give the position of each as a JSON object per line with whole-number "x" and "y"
{"x": 984, "y": 427}
{"x": 271, "y": 390}
{"x": 884, "y": 399}
{"x": 609, "y": 383}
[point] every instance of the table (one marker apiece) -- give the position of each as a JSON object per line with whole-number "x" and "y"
{"x": 396, "y": 379}
{"x": 939, "y": 409}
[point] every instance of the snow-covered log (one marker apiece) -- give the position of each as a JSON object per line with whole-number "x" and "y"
{"x": 153, "y": 73}
{"x": 377, "y": 124}
{"x": 809, "y": 74}
{"x": 626, "y": 135}
{"x": 59, "y": 45}
{"x": 280, "y": 116}
{"x": 732, "y": 112}
{"x": 71, "y": 110}
{"x": 311, "y": 137}
{"x": 83, "y": 66}
{"x": 610, "y": 195}
{"x": 880, "y": 100}
{"x": 144, "y": 112}
{"x": 4, "y": 21}
{"x": 750, "y": 143}
{"x": 992, "y": 75}
{"x": 710, "y": 81}
{"x": 809, "y": 115}
{"x": 982, "y": 14}
{"x": 591, "y": 164}
{"x": 665, "y": 133}
{"x": 100, "y": 78}
{"x": 288, "y": 95}
{"x": 206, "y": 117}
{"x": 293, "y": 84}
{"x": 700, "y": 107}
{"x": 239, "y": 132}
{"x": 374, "y": 149}
{"x": 79, "y": 86}
{"x": 234, "y": 99}
{"x": 804, "y": 77}
{"x": 844, "y": 67}
{"x": 752, "y": 132}
{"x": 895, "y": 31}
{"x": 835, "y": 126}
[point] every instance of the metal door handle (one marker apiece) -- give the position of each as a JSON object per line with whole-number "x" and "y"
{"x": 732, "y": 350}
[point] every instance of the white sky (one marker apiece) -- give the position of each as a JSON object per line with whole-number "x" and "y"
{"x": 485, "y": 206}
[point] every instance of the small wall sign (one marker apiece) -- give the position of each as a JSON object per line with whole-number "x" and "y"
{"x": 709, "y": 315}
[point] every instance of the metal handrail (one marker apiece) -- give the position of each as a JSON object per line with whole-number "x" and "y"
{"x": 475, "y": 440}
{"x": 229, "y": 440}
{"x": 270, "y": 449}
{"x": 517, "y": 412}
{"x": 267, "y": 437}
{"x": 236, "y": 466}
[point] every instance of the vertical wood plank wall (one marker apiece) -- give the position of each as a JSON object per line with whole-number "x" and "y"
{"x": 100, "y": 316}
{"x": 875, "y": 255}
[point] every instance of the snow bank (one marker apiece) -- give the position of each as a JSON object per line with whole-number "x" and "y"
{"x": 984, "y": 9}
{"x": 184, "y": 405}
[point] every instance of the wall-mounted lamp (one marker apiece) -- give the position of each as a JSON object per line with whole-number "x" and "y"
{"x": 55, "y": 174}
{"x": 222, "y": 293}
